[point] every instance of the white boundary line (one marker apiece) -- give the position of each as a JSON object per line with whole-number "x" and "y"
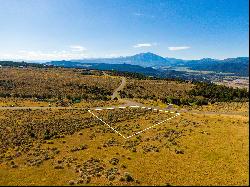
{"x": 106, "y": 124}
{"x": 110, "y": 108}
{"x": 177, "y": 114}
{"x": 134, "y": 106}
{"x": 122, "y": 107}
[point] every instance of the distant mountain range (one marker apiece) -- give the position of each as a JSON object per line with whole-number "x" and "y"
{"x": 142, "y": 59}
{"x": 238, "y": 66}
{"x": 105, "y": 66}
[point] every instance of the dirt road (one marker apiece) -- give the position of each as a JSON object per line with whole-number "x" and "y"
{"x": 116, "y": 92}
{"x": 127, "y": 103}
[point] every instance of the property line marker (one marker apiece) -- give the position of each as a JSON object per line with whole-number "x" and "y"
{"x": 177, "y": 114}
{"x": 106, "y": 124}
{"x": 134, "y": 106}
{"x": 122, "y": 107}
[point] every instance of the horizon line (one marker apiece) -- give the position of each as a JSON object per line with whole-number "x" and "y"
{"x": 94, "y": 58}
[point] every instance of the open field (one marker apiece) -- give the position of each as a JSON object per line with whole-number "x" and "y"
{"x": 222, "y": 107}
{"x": 129, "y": 121}
{"x": 20, "y": 102}
{"x": 234, "y": 81}
{"x": 43, "y": 142}
{"x": 189, "y": 150}
{"x": 55, "y": 84}
{"x": 148, "y": 89}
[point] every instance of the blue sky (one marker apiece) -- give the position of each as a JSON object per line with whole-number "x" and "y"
{"x": 74, "y": 29}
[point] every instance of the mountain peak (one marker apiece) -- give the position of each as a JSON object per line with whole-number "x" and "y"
{"x": 149, "y": 54}
{"x": 148, "y": 57}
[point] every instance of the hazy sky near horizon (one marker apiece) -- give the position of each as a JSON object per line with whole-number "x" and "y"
{"x": 75, "y": 29}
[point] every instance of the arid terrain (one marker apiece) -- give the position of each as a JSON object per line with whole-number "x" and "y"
{"x": 55, "y": 129}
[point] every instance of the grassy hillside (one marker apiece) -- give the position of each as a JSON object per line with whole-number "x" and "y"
{"x": 55, "y": 83}
{"x": 182, "y": 92}
{"x": 42, "y": 143}
{"x": 155, "y": 89}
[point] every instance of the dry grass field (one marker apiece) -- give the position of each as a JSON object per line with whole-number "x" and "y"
{"x": 192, "y": 149}
{"x": 224, "y": 107}
{"x": 55, "y": 83}
{"x": 205, "y": 145}
{"x": 128, "y": 121}
{"x": 158, "y": 89}
{"x": 20, "y": 102}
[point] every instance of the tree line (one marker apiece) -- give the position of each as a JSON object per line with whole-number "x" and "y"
{"x": 203, "y": 93}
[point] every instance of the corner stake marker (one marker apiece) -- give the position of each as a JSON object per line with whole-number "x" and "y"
{"x": 177, "y": 114}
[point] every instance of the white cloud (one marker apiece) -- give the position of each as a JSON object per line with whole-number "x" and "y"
{"x": 138, "y": 14}
{"x": 142, "y": 45}
{"x": 178, "y": 48}
{"x": 74, "y": 52}
{"x": 39, "y": 55}
{"x": 77, "y": 48}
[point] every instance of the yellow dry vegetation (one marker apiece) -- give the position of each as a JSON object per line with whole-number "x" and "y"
{"x": 224, "y": 107}
{"x": 19, "y": 102}
{"x": 47, "y": 83}
{"x": 41, "y": 145}
{"x": 193, "y": 149}
{"x": 158, "y": 89}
